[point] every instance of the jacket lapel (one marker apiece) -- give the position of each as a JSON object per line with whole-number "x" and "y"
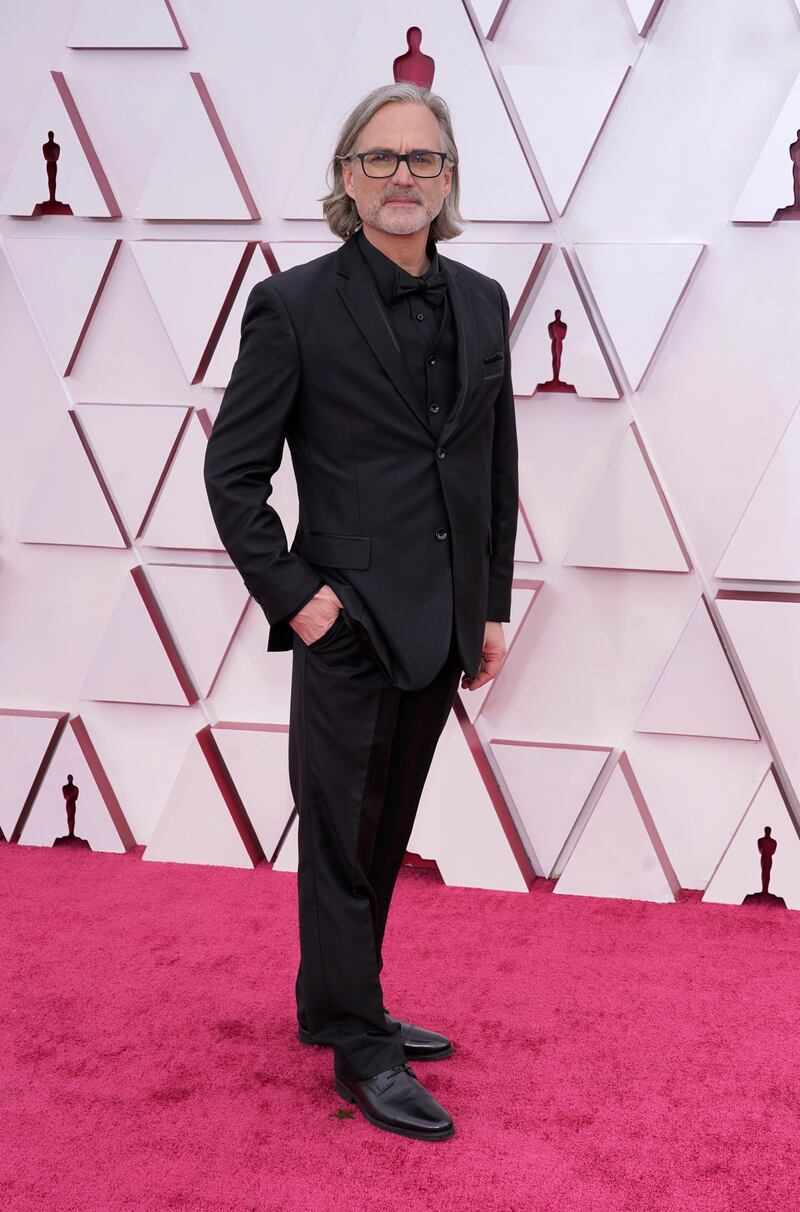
{"x": 360, "y": 296}
{"x": 466, "y": 340}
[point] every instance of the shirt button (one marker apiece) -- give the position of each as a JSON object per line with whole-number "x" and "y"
{"x": 441, "y": 533}
{"x": 440, "y": 453}
{"x": 420, "y": 316}
{"x": 431, "y": 360}
{"x": 433, "y": 408}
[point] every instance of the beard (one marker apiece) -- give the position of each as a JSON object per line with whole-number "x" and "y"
{"x": 399, "y": 220}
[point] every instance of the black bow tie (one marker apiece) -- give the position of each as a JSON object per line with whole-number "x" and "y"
{"x": 434, "y": 287}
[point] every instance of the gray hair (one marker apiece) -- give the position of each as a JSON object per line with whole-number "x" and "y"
{"x": 340, "y": 209}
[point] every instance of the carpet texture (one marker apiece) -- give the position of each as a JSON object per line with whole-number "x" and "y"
{"x": 610, "y": 1055}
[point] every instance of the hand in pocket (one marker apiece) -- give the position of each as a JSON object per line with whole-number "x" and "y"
{"x": 317, "y": 616}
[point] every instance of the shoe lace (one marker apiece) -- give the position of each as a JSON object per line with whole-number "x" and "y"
{"x": 392, "y": 1073}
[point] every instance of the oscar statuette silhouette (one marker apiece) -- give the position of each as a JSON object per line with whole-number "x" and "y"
{"x": 70, "y": 793}
{"x": 767, "y": 847}
{"x": 51, "y": 151}
{"x": 557, "y": 331}
{"x": 414, "y": 66}
{"x": 792, "y": 211}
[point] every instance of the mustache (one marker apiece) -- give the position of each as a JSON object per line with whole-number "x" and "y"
{"x": 402, "y": 198}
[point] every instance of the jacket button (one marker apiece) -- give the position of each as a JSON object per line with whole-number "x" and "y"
{"x": 441, "y": 533}
{"x": 440, "y": 453}
{"x": 431, "y": 360}
{"x": 433, "y": 408}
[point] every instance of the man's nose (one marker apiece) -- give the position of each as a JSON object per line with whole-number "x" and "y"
{"x": 403, "y": 175}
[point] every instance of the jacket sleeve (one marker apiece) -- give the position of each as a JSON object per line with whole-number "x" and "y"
{"x": 244, "y": 451}
{"x": 505, "y": 489}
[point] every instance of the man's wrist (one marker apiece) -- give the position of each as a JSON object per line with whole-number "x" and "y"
{"x": 305, "y": 602}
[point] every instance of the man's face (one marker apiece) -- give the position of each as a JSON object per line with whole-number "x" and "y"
{"x": 403, "y": 203}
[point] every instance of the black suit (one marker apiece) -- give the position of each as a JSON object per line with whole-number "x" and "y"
{"x": 413, "y": 525}
{"x": 388, "y": 509}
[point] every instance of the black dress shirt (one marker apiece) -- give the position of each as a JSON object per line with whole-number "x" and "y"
{"x": 425, "y": 331}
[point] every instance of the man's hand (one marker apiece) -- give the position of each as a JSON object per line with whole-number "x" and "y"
{"x": 318, "y": 614}
{"x": 494, "y": 649}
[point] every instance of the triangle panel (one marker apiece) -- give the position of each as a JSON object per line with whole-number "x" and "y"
{"x": 739, "y": 871}
{"x": 196, "y": 825}
{"x": 133, "y": 444}
{"x": 562, "y": 110}
{"x": 583, "y": 363}
{"x": 617, "y": 853}
{"x": 69, "y": 504}
{"x": 628, "y": 524}
{"x": 146, "y": 25}
{"x": 549, "y": 785}
{"x": 457, "y": 823}
{"x": 637, "y": 288}
{"x": 766, "y": 544}
{"x": 81, "y": 186}
{"x": 697, "y": 693}
{"x": 189, "y": 282}
{"x": 203, "y": 607}
{"x": 99, "y": 819}
{"x": 697, "y": 792}
{"x": 62, "y": 281}
{"x": 181, "y": 517}
{"x": 253, "y": 683}
{"x": 195, "y": 174}
{"x": 135, "y": 661}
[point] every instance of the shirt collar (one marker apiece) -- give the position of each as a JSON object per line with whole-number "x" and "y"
{"x": 384, "y": 269}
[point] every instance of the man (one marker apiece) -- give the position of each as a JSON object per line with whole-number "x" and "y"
{"x": 386, "y": 369}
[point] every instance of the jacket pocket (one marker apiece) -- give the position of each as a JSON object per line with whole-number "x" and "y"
{"x": 336, "y": 550}
{"x": 493, "y": 365}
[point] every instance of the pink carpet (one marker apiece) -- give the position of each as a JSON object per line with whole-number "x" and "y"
{"x": 610, "y": 1055}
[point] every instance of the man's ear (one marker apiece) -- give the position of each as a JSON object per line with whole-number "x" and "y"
{"x": 347, "y": 178}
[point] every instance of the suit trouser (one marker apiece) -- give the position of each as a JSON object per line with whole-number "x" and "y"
{"x": 359, "y": 752}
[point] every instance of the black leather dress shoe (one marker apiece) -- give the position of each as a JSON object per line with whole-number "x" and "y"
{"x": 418, "y": 1043}
{"x": 397, "y": 1101}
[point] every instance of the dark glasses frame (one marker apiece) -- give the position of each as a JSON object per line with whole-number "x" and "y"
{"x": 398, "y": 156}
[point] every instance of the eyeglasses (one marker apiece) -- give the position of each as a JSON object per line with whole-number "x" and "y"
{"x": 421, "y": 163}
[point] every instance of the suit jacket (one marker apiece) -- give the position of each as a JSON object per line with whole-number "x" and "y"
{"x": 408, "y": 527}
